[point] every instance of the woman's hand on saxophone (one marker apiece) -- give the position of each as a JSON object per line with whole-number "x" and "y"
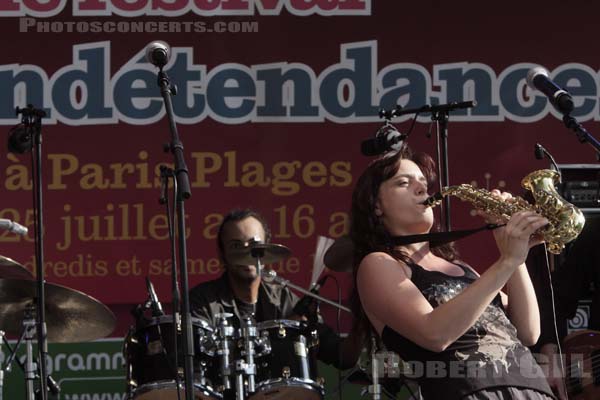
{"x": 489, "y": 218}
{"x": 518, "y": 235}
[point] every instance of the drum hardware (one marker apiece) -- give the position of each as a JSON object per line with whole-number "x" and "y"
{"x": 288, "y": 370}
{"x": 249, "y": 335}
{"x": 153, "y": 347}
{"x": 384, "y": 364}
{"x": 381, "y": 372}
{"x": 268, "y": 360}
{"x": 27, "y": 334}
{"x": 130, "y": 383}
{"x": 72, "y": 316}
{"x": 375, "y": 388}
{"x": 225, "y": 336}
{"x": 301, "y": 351}
{"x": 277, "y": 377}
{"x": 152, "y": 373}
{"x": 29, "y": 369}
{"x": 281, "y": 332}
{"x": 271, "y": 360}
{"x": 247, "y": 253}
{"x": 30, "y": 366}
{"x": 271, "y": 276}
{"x": 239, "y": 366}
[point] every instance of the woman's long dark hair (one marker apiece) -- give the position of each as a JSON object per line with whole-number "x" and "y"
{"x": 366, "y": 229}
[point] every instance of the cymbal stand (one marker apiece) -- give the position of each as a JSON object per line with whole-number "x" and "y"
{"x": 30, "y": 367}
{"x": 375, "y": 387}
{"x": 225, "y": 333}
{"x": 249, "y": 334}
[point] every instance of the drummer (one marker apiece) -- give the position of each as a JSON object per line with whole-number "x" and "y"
{"x": 241, "y": 292}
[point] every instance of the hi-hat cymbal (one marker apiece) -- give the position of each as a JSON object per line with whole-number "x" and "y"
{"x": 248, "y": 253}
{"x": 340, "y": 255}
{"x": 10, "y": 269}
{"x": 71, "y": 316}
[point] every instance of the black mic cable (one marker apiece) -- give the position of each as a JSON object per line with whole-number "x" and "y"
{"x": 540, "y": 152}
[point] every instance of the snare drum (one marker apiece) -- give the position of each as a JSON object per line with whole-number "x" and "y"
{"x": 289, "y": 370}
{"x": 150, "y": 356}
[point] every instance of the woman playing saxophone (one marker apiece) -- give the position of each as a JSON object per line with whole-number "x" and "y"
{"x": 462, "y": 336}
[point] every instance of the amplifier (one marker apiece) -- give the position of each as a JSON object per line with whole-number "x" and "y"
{"x": 581, "y": 185}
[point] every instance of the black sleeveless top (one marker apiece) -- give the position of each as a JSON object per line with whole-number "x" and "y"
{"x": 488, "y": 355}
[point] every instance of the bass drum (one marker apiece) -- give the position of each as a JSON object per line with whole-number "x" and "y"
{"x": 288, "y": 371}
{"x": 150, "y": 355}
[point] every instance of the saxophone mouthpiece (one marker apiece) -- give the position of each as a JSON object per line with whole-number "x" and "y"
{"x": 433, "y": 200}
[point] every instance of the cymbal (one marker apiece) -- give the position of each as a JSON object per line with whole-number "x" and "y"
{"x": 340, "y": 255}
{"x": 71, "y": 316}
{"x": 10, "y": 269}
{"x": 268, "y": 252}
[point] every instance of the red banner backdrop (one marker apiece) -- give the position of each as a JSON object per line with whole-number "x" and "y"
{"x": 274, "y": 100}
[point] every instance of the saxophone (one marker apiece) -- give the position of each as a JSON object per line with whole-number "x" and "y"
{"x": 565, "y": 220}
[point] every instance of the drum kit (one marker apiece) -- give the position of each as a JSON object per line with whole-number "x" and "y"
{"x": 71, "y": 316}
{"x": 273, "y": 359}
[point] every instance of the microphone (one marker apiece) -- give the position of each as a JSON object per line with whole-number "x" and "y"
{"x": 386, "y": 139}
{"x": 540, "y": 151}
{"x": 302, "y": 307}
{"x": 53, "y": 386}
{"x": 13, "y": 227}
{"x": 19, "y": 139}
{"x": 158, "y": 53}
{"x": 538, "y": 78}
{"x": 157, "y": 310}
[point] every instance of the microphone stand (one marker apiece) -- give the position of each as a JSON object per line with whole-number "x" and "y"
{"x": 165, "y": 174}
{"x": 442, "y": 117}
{"x": 184, "y": 193}
{"x": 32, "y": 123}
{"x": 582, "y": 134}
{"x": 271, "y": 276}
{"x": 440, "y": 113}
